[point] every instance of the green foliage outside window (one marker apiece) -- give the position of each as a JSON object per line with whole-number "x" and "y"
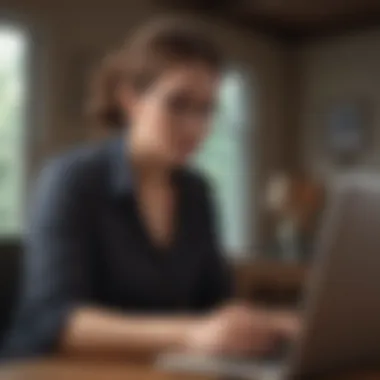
{"x": 223, "y": 158}
{"x": 12, "y": 123}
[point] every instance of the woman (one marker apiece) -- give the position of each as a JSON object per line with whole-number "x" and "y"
{"x": 121, "y": 255}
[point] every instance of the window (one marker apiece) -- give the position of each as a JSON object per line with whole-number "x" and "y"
{"x": 13, "y": 46}
{"x": 224, "y": 159}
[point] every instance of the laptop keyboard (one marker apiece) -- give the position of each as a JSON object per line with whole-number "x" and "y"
{"x": 270, "y": 366}
{"x": 236, "y": 368}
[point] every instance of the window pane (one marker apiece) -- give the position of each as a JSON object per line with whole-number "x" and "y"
{"x": 12, "y": 119}
{"x": 223, "y": 158}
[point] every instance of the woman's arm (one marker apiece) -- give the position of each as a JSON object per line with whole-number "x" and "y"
{"x": 56, "y": 273}
{"x": 97, "y": 332}
{"x": 232, "y": 330}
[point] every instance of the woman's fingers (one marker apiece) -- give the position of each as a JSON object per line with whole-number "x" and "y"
{"x": 288, "y": 324}
{"x": 241, "y": 331}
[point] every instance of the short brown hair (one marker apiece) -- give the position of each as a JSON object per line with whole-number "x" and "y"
{"x": 142, "y": 58}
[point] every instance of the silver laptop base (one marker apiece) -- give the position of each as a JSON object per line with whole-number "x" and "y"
{"x": 234, "y": 368}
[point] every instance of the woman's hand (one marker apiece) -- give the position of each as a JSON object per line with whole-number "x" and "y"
{"x": 287, "y": 324}
{"x": 239, "y": 330}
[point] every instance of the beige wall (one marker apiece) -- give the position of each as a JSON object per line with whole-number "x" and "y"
{"x": 70, "y": 30}
{"x": 332, "y": 70}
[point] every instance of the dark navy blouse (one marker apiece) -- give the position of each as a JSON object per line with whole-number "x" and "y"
{"x": 86, "y": 245}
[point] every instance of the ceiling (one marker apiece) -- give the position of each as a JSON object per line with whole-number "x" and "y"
{"x": 290, "y": 19}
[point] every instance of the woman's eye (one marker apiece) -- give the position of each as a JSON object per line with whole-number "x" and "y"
{"x": 183, "y": 105}
{"x": 179, "y": 104}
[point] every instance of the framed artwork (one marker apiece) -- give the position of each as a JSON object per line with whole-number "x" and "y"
{"x": 348, "y": 129}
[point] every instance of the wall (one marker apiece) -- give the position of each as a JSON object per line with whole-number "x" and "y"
{"x": 342, "y": 68}
{"x": 72, "y": 30}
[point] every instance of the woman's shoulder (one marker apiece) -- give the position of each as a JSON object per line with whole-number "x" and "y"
{"x": 77, "y": 166}
{"x": 85, "y": 155}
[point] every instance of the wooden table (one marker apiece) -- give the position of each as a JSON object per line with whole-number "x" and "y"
{"x": 74, "y": 370}
{"x": 58, "y": 369}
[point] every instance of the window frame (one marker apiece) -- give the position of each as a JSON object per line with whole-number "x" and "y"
{"x": 251, "y": 160}
{"x": 34, "y": 106}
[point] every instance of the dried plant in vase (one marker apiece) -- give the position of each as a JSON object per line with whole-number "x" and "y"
{"x": 295, "y": 204}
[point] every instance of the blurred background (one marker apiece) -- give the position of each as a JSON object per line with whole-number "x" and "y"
{"x": 299, "y": 104}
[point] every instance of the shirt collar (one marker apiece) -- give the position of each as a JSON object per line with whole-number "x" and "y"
{"x": 121, "y": 172}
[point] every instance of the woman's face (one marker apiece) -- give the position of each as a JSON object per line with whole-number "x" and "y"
{"x": 170, "y": 119}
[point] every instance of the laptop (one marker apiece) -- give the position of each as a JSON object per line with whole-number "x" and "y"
{"x": 341, "y": 312}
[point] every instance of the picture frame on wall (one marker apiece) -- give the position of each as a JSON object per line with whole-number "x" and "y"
{"x": 348, "y": 130}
